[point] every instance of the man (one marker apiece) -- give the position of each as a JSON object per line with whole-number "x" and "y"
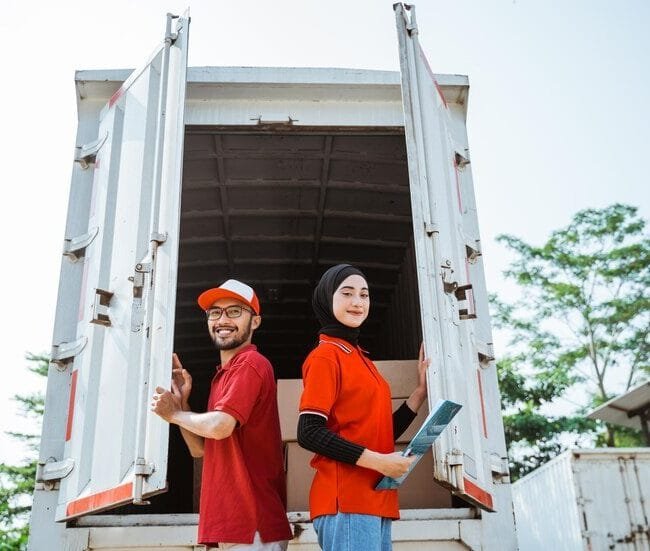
{"x": 243, "y": 493}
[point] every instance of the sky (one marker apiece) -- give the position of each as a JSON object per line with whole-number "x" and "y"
{"x": 558, "y": 120}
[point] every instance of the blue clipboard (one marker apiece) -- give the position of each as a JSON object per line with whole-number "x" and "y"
{"x": 437, "y": 420}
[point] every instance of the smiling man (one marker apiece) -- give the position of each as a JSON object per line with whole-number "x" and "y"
{"x": 243, "y": 493}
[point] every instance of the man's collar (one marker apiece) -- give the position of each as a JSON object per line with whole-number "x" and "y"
{"x": 246, "y": 348}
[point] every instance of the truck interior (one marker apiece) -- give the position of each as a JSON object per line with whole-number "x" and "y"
{"x": 275, "y": 206}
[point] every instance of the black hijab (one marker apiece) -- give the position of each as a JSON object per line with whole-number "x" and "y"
{"x": 323, "y": 299}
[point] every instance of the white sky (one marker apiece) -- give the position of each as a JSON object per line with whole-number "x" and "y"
{"x": 559, "y": 115}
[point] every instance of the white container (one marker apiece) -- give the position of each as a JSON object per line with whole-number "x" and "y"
{"x": 184, "y": 178}
{"x": 591, "y": 500}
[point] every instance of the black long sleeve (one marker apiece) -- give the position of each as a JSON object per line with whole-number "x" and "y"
{"x": 402, "y": 417}
{"x": 314, "y": 436}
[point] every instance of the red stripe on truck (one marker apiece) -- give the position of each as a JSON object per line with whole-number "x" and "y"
{"x": 435, "y": 82}
{"x": 100, "y": 500}
{"x": 480, "y": 393}
{"x": 478, "y": 494}
{"x": 73, "y": 392}
{"x": 117, "y": 95}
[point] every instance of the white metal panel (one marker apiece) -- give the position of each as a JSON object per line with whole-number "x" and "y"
{"x": 421, "y": 530}
{"x": 444, "y": 226}
{"x": 589, "y": 500}
{"x": 545, "y": 508}
{"x": 135, "y": 200}
{"x": 612, "y": 489}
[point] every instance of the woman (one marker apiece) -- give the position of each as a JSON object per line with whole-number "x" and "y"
{"x": 346, "y": 419}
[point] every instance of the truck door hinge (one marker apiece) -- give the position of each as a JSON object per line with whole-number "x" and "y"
{"x": 74, "y": 247}
{"x": 431, "y": 228}
{"x": 51, "y": 471}
{"x": 499, "y": 467}
{"x": 137, "y": 306}
{"x": 158, "y": 237}
{"x": 461, "y": 157}
{"x": 275, "y": 121}
{"x": 100, "y": 307}
{"x": 86, "y": 154}
{"x": 141, "y": 469}
{"x": 485, "y": 351}
{"x": 468, "y": 310}
{"x": 463, "y": 293}
{"x": 455, "y": 457}
{"x": 144, "y": 469}
{"x": 64, "y": 352}
{"x": 473, "y": 250}
{"x": 449, "y": 284}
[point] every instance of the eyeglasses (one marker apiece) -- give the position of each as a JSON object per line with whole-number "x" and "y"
{"x": 233, "y": 311}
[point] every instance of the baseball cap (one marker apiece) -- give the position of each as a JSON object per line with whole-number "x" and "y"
{"x": 230, "y": 289}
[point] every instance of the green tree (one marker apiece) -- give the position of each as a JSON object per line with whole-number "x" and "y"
{"x": 578, "y": 332}
{"x": 17, "y": 481}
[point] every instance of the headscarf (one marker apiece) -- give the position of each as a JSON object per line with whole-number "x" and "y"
{"x": 323, "y": 300}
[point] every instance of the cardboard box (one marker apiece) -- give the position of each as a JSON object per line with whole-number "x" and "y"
{"x": 299, "y": 476}
{"x": 289, "y": 392}
{"x": 419, "y": 491}
{"x": 401, "y": 375}
{"x": 415, "y": 425}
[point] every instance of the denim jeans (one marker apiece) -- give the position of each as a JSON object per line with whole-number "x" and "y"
{"x": 353, "y": 532}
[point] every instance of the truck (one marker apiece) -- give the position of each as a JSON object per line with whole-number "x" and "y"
{"x": 586, "y": 499}
{"x": 185, "y": 177}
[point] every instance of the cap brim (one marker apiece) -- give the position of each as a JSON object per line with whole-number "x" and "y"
{"x": 209, "y": 297}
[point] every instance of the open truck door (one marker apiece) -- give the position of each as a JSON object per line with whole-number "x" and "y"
{"x": 115, "y": 447}
{"x": 455, "y": 318}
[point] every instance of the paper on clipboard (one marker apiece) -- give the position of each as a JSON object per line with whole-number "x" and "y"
{"x": 437, "y": 420}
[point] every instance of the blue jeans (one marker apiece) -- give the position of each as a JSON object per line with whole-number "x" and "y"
{"x": 353, "y": 532}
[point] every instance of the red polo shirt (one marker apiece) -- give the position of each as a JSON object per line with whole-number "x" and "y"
{"x": 343, "y": 384}
{"x": 243, "y": 487}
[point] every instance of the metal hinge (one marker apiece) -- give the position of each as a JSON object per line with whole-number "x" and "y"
{"x": 455, "y": 457}
{"x": 142, "y": 468}
{"x": 450, "y": 286}
{"x": 86, "y": 154}
{"x": 499, "y": 467}
{"x": 469, "y": 311}
{"x": 72, "y": 247}
{"x": 462, "y": 159}
{"x": 431, "y": 228}
{"x": 51, "y": 471}
{"x": 276, "y": 122}
{"x": 485, "y": 351}
{"x": 63, "y": 353}
{"x": 100, "y": 307}
{"x": 473, "y": 250}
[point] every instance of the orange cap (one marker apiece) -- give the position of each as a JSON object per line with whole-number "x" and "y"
{"x": 230, "y": 289}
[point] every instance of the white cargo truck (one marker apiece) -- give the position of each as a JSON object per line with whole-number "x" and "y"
{"x": 186, "y": 177}
{"x": 586, "y": 500}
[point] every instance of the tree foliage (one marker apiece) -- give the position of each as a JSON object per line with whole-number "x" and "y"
{"x": 578, "y": 332}
{"x": 17, "y": 481}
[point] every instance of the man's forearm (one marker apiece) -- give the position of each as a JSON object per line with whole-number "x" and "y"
{"x": 212, "y": 424}
{"x": 193, "y": 441}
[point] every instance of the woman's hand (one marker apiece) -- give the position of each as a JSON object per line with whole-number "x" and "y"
{"x": 418, "y": 395}
{"x": 389, "y": 464}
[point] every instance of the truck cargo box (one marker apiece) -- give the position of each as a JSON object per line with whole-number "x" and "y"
{"x": 186, "y": 177}
{"x": 586, "y": 500}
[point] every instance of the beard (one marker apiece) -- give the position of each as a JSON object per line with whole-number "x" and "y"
{"x": 232, "y": 341}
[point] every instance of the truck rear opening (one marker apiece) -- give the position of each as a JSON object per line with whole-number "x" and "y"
{"x": 275, "y": 207}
